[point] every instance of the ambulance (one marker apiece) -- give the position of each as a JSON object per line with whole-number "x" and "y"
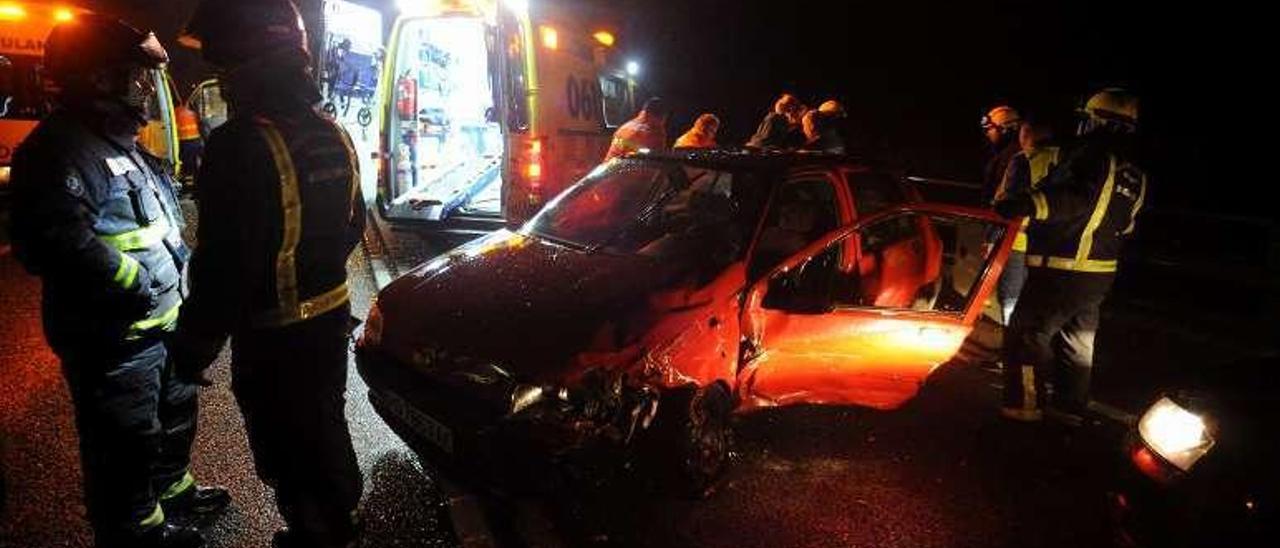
{"x": 24, "y": 100}
{"x": 489, "y": 108}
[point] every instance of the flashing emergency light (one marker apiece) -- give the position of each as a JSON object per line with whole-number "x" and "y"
{"x": 518, "y": 6}
{"x": 604, "y": 37}
{"x": 12, "y": 12}
{"x": 62, "y": 15}
{"x": 633, "y": 68}
{"x": 550, "y": 37}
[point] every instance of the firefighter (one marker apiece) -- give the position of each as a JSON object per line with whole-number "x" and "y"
{"x": 1027, "y": 168}
{"x": 97, "y": 219}
{"x": 648, "y": 130}
{"x": 702, "y": 134}
{"x": 280, "y": 212}
{"x": 1000, "y": 126}
{"x": 780, "y": 129}
{"x": 1080, "y": 215}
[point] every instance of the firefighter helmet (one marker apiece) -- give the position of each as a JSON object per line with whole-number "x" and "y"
{"x": 232, "y": 32}
{"x": 1114, "y": 105}
{"x": 1003, "y": 117}
{"x": 76, "y": 48}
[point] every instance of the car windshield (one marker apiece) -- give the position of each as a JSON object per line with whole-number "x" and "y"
{"x": 656, "y": 209}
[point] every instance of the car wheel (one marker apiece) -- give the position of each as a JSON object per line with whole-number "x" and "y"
{"x": 695, "y": 438}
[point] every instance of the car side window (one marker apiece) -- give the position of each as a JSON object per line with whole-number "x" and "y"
{"x": 803, "y": 210}
{"x": 911, "y": 261}
{"x": 874, "y": 192}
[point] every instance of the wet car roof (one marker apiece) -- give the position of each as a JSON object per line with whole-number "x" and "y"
{"x": 760, "y": 160}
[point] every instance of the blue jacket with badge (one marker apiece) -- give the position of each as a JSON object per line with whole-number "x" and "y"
{"x": 97, "y": 219}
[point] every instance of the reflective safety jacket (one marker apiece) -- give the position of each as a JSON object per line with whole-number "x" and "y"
{"x": 280, "y": 212}
{"x": 1086, "y": 206}
{"x": 97, "y": 219}
{"x": 188, "y": 123}
{"x": 1025, "y": 172}
{"x": 640, "y": 132}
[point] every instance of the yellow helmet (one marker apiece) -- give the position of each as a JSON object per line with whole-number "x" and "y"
{"x": 1003, "y": 117}
{"x": 1112, "y": 105}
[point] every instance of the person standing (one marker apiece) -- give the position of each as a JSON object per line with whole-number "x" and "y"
{"x": 780, "y": 129}
{"x": 1027, "y": 168}
{"x": 702, "y": 134}
{"x": 97, "y": 219}
{"x": 280, "y": 213}
{"x": 1081, "y": 214}
{"x": 647, "y": 131}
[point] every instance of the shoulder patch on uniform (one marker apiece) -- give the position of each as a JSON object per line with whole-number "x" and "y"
{"x": 73, "y": 185}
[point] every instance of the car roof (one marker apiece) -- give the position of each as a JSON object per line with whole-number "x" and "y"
{"x": 739, "y": 159}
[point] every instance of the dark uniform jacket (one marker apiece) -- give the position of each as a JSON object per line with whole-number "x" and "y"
{"x": 97, "y": 219}
{"x": 1083, "y": 210}
{"x": 280, "y": 212}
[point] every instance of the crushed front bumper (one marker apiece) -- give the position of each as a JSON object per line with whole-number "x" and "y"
{"x": 462, "y": 423}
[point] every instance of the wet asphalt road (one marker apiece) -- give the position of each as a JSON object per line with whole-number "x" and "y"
{"x": 940, "y": 472}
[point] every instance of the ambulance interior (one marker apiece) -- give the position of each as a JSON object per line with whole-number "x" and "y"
{"x": 446, "y": 141}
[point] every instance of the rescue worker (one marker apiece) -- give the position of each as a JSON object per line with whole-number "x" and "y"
{"x": 821, "y": 130}
{"x": 648, "y": 130}
{"x": 280, "y": 212}
{"x": 190, "y": 144}
{"x": 702, "y": 134}
{"x": 1080, "y": 215}
{"x": 97, "y": 219}
{"x": 1000, "y": 126}
{"x": 1027, "y": 168}
{"x": 780, "y": 129}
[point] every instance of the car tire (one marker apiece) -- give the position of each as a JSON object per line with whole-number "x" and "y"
{"x": 694, "y": 439}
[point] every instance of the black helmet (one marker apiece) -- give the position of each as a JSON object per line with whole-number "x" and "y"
{"x": 91, "y": 41}
{"x": 232, "y": 32}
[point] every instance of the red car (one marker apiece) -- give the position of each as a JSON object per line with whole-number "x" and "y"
{"x": 663, "y": 292}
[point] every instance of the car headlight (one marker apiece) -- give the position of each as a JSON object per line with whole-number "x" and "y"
{"x": 372, "y": 334}
{"x": 523, "y": 396}
{"x": 1177, "y": 435}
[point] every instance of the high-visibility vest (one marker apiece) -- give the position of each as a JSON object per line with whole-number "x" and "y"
{"x": 188, "y": 124}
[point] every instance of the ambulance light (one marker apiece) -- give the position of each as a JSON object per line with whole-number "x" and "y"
{"x": 62, "y": 15}
{"x": 633, "y": 68}
{"x": 12, "y": 12}
{"x": 550, "y": 38}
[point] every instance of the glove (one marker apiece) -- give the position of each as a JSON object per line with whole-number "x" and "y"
{"x": 192, "y": 357}
{"x": 1017, "y": 206}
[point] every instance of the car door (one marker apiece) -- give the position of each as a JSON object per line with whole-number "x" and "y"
{"x": 829, "y": 328}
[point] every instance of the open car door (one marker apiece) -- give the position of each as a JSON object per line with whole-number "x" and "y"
{"x": 863, "y": 315}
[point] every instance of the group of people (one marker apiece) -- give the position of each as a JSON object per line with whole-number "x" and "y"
{"x": 136, "y": 318}
{"x": 790, "y": 126}
{"x": 1079, "y": 202}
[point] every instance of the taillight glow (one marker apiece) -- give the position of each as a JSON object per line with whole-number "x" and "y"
{"x": 533, "y": 163}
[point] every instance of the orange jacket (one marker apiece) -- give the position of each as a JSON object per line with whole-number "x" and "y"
{"x": 695, "y": 139}
{"x": 640, "y": 132}
{"x": 188, "y": 124}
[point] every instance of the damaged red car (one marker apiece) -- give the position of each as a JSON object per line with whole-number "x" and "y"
{"x": 662, "y": 293}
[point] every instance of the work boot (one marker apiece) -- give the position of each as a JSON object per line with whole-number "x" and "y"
{"x": 165, "y": 535}
{"x": 197, "y": 503}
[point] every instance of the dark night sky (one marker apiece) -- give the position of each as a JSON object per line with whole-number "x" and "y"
{"x": 916, "y": 76}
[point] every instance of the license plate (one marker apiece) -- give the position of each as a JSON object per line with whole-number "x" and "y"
{"x": 419, "y": 422}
